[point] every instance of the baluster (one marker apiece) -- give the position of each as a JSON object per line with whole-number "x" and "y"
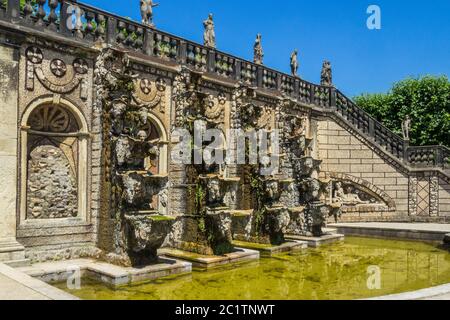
{"x": 190, "y": 57}
{"x": 52, "y": 17}
{"x": 100, "y": 31}
{"x": 139, "y": 43}
{"x": 121, "y": 30}
{"x": 173, "y": 49}
{"x": 41, "y": 13}
{"x": 78, "y": 24}
{"x": 89, "y": 30}
{"x": 28, "y": 11}
{"x": 130, "y": 40}
{"x": 158, "y": 45}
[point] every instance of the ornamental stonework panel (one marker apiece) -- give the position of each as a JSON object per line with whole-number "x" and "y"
{"x": 423, "y": 196}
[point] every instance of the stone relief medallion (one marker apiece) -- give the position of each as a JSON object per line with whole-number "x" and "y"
{"x": 149, "y": 95}
{"x": 34, "y": 55}
{"x": 213, "y": 110}
{"x": 58, "y": 68}
{"x": 146, "y": 86}
{"x": 80, "y": 66}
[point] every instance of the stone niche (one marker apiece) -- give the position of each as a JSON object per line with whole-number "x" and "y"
{"x": 52, "y": 163}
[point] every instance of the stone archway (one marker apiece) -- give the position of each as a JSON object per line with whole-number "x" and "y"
{"x": 54, "y": 138}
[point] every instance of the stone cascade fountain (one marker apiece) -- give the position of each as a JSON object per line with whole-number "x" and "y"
{"x": 133, "y": 185}
{"x": 266, "y": 223}
{"x": 309, "y": 217}
{"x": 206, "y": 228}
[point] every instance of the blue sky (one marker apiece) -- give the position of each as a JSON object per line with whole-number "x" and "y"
{"x": 414, "y": 39}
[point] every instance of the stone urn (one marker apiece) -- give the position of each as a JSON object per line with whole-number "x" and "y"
{"x": 145, "y": 235}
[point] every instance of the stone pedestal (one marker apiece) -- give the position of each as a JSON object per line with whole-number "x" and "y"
{"x": 10, "y": 249}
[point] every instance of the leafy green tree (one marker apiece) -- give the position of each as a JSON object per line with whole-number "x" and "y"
{"x": 425, "y": 99}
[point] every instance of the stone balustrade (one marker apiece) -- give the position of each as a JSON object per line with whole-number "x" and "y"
{"x": 89, "y": 24}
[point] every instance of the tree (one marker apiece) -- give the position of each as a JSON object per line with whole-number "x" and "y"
{"x": 425, "y": 99}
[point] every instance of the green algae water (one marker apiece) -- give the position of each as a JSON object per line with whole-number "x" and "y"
{"x": 337, "y": 271}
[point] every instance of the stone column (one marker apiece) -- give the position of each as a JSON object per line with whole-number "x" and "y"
{"x": 10, "y": 249}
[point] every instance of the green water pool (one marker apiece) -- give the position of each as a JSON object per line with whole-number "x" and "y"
{"x": 338, "y": 271}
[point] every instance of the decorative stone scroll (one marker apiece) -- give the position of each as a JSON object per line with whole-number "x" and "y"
{"x": 150, "y": 94}
{"x": 58, "y": 69}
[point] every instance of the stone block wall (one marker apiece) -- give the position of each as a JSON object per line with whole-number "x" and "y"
{"x": 444, "y": 197}
{"x": 344, "y": 151}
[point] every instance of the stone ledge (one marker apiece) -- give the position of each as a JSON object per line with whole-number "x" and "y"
{"x": 315, "y": 242}
{"x": 269, "y": 250}
{"x": 439, "y": 293}
{"x": 208, "y": 262}
{"x": 409, "y": 231}
{"x": 29, "y": 288}
{"x": 111, "y": 275}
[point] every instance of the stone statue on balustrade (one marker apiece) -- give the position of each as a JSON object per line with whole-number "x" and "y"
{"x": 406, "y": 127}
{"x": 326, "y": 78}
{"x": 294, "y": 63}
{"x": 147, "y": 12}
{"x": 209, "y": 35}
{"x": 258, "y": 50}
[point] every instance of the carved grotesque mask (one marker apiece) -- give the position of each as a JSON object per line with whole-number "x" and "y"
{"x": 142, "y": 135}
{"x": 213, "y": 191}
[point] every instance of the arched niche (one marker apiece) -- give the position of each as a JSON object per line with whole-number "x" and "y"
{"x": 54, "y": 162}
{"x": 161, "y": 134}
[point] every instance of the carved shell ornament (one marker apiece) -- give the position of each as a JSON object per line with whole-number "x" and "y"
{"x": 150, "y": 94}
{"x": 265, "y": 120}
{"x": 213, "y": 110}
{"x": 50, "y": 119}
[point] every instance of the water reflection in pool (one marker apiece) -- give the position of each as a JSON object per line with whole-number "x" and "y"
{"x": 339, "y": 271}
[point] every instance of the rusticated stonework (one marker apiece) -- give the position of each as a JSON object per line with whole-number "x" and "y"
{"x": 52, "y": 186}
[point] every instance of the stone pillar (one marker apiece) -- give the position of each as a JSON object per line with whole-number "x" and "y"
{"x": 412, "y": 196}
{"x": 10, "y": 249}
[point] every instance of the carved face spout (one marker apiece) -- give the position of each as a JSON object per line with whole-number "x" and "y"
{"x": 143, "y": 115}
{"x": 214, "y": 194}
{"x": 272, "y": 190}
{"x": 142, "y": 135}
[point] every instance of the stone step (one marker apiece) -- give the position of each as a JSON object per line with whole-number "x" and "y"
{"x": 18, "y": 263}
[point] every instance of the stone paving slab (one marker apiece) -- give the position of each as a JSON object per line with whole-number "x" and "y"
{"x": 58, "y": 271}
{"x": 16, "y": 285}
{"x": 410, "y": 231}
